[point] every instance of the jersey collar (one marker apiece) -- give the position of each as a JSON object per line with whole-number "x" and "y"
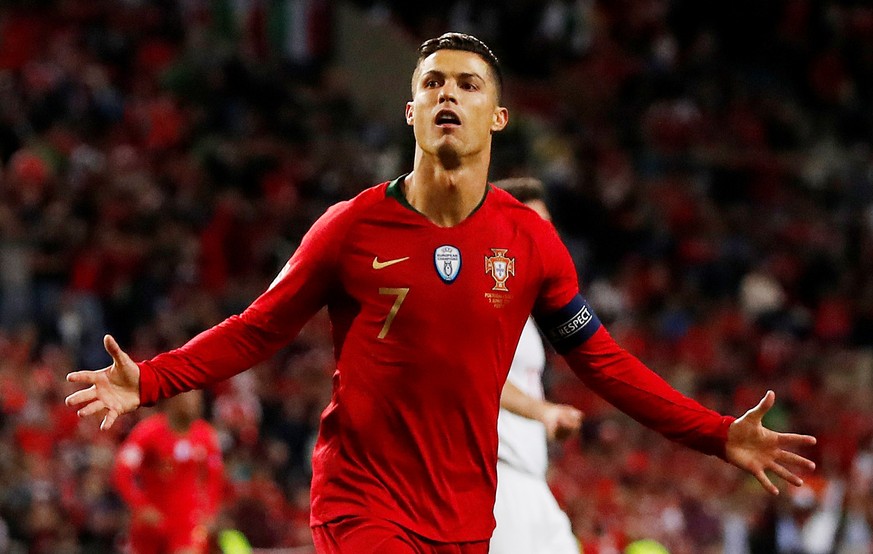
{"x": 395, "y": 190}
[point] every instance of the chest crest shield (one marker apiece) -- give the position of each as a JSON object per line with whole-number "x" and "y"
{"x": 500, "y": 267}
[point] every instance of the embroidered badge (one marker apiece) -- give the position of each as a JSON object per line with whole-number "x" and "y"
{"x": 447, "y": 261}
{"x": 500, "y": 267}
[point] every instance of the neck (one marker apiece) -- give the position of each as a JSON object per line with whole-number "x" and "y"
{"x": 180, "y": 423}
{"x": 445, "y": 195}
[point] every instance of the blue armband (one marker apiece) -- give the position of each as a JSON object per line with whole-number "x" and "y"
{"x": 570, "y": 326}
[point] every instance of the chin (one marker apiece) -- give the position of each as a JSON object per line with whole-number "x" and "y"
{"x": 449, "y": 155}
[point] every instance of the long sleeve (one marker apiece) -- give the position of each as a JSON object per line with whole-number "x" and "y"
{"x": 272, "y": 321}
{"x": 575, "y": 331}
{"x": 633, "y": 388}
{"x": 232, "y": 346}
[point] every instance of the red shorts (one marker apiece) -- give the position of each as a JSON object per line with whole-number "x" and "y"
{"x": 363, "y": 535}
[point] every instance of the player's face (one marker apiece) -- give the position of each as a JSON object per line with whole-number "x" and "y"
{"x": 454, "y": 105}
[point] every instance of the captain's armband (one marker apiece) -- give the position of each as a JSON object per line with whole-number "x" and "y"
{"x": 570, "y": 326}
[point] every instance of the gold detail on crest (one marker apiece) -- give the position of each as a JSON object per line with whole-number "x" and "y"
{"x": 500, "y": 267}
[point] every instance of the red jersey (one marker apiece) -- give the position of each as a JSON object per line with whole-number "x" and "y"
{"x": 179, "y": 473}
{"x": 425, "y": 323}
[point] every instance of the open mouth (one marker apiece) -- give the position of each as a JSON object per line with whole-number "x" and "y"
{"x": 447, "y": 118}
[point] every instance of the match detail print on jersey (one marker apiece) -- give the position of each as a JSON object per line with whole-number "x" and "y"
{"x": 570, "y": 326}
{"x": 382, "y": 265}
{"x": 447, "y": 262}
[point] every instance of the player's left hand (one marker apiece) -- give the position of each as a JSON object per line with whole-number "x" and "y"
{"x": 756, "y": 449}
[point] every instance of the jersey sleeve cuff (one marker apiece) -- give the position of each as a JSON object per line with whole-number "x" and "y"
{"x": 148, "y": 385}
{"x": 719, "y": 445}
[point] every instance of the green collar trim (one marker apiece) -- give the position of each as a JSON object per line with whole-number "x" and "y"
{"x": 395, "y": 191}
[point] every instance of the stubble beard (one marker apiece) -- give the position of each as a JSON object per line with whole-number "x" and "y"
{"x": 449, "y": 156}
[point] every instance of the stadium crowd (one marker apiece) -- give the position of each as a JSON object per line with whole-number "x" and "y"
{"x": 710, "y": 169}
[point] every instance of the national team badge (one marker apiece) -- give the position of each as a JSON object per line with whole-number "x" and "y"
{"x": 500, "y": 267}
{"x": 447, "y": 261}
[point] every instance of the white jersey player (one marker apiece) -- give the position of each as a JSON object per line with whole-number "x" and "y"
{"x": 528, "y": 517}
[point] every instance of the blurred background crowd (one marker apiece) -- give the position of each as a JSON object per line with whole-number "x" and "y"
{"x": 709, "y": 166}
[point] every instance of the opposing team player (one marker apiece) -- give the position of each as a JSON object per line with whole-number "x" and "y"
{"x": 528, "y": 516}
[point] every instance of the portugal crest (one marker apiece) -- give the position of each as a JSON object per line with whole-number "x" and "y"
{"x": 500, "y": 267}
{"x": 447, "y": 262}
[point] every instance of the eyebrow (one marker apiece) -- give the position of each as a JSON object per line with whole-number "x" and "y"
{"x": 463, "y": 75}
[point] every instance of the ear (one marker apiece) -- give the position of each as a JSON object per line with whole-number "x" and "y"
{"x": 501, "y": 119}
{"x": 410, "y": 106}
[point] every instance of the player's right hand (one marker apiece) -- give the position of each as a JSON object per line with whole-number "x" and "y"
{"x": 561, "y": 421}
{"x": 113, "y": 390}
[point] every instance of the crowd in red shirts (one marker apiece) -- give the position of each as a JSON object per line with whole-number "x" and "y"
{"x": 710, "y": 169}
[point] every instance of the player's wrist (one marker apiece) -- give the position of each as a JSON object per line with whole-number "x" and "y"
{"x": 542, "y": 411}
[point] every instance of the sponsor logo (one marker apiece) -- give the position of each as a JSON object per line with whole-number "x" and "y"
{"x": 382, "y": 265}
{"x": 500, "y": 267}
{"x": 447, "y": 262}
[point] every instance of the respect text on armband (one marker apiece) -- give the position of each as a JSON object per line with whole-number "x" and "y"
{"x": 572, "y": 326}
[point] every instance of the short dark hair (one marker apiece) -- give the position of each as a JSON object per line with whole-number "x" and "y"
{"x": 523, "y": 189}
{"x": 467, "y": 43}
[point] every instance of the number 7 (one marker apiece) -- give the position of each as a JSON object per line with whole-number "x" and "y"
{"x": 400, "y": 293}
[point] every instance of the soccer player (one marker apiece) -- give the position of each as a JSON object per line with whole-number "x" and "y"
{"x": 170, "y": 474}
{"x": 528, "y": 517}
{"x": 428, "y": 280}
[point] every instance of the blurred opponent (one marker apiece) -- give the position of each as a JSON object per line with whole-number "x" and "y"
{"x": 528, "y": 516}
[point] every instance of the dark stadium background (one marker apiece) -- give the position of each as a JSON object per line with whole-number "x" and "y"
{"x": 709, "y": 166}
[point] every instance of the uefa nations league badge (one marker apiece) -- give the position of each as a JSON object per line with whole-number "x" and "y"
{"x": 447, "y": 262}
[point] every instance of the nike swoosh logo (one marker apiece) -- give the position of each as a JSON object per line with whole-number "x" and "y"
{"x": 382, "y": 265}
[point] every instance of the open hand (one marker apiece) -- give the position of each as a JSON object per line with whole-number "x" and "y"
{"x": 113, "y": 389}
{"x": 756, "y": 449}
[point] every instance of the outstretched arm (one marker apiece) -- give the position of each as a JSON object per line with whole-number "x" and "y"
{"x": 632, "y": 387}
{"x": 230, "y": 347}
{"x": 561, "y": 421}
{"x": 575, "y": 331}
{"x": 113, "y": 390}
{"x": 752, "y": 447}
